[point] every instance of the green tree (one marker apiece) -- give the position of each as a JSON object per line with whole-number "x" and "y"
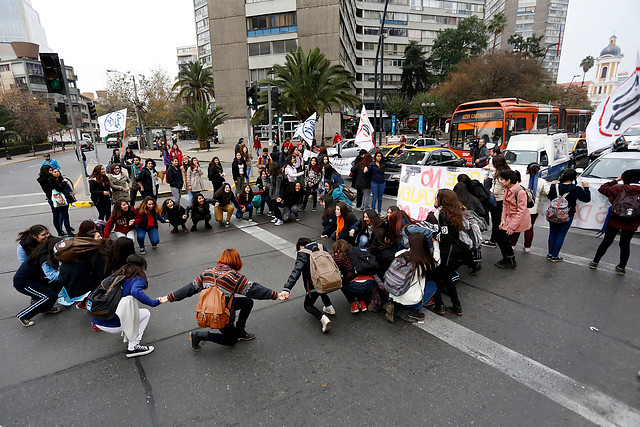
{"x": 432, "y": 114}
{"x": 497, "y": 25}
{"x": 586, "y": 64}
{"x": 415, "y": 76}
{"x": 194, "y": 84}
{"x": 453, "y": 45}
{"x": 396, "y": 103}
{"x": 33, "y": 118}
{"x": 529, "y": 47}
{"x": 159, "y": 108}
{"x": 202, "y": 120}
{"x": 310, "y": 84}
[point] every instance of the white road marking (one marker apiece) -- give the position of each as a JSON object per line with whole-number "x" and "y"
{"x": 24, "y": 206}
{"x": 11, "y": 196}
{"x": 585, "y": 401}
{"x": 582, "y": 261}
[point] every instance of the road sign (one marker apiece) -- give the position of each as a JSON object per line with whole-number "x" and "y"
{"x": 420, "y": 124}
{"x": 393, "y": 124}
{"x": 138, "y": 132}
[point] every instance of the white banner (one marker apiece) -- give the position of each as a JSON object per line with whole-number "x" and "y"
{"x": 306, "y": 130}
{"x": 112, "y": 122}
{"x": 617, "y": 113}
{"x": 342, "y": 165}
{"x": 364, "y": 136}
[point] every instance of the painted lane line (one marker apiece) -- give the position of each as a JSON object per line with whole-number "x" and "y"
{"x": 582, "y": 261}
{"x": 11, "y": 196}
{"x": 585, "y": 401}
{"x": 276, "y": 242}
{"x": 24, "y": 206}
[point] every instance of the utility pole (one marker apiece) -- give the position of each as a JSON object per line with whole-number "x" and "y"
{"x": 246, "y": 85}
{"x": 93, "y": 139}
{"x": 270, "y": 116}
{"x": 83, "y": 174}
{"x": 141, "y": 137}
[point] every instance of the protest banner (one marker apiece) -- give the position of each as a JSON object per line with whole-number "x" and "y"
{"x": 342, "y": 165}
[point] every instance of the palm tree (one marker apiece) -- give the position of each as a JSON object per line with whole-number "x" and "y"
{"x": 195, "y": 84}
{"x": 496, "y": 26}
{"x": 202, "y": 120}
{"x": 310, "y": 84}
{"x": 415, "y": 74}
{"x": 586, "y": 64}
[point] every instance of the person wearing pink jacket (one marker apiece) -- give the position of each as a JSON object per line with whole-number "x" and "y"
{"x": 515, "y": 216}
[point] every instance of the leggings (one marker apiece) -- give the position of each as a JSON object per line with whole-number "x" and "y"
{"x": 496, "y": 217}
{"x": 103, "y": 204}
{"x": 229, "y": 334}
{"x": 625, "y": 244}
{"x": 528, "y": 235}
{"x": 144, "y": 315}
{"x": 310, "y": 299}
{"x": 42, "y": 297}
{"x": 445, "y": 274}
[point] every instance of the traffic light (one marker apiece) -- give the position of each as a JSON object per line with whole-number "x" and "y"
{"x": 52, "y": 72}
{"x": 279, "y": 118}
{"x": 252, "y": 95}
{"x": 275, "y": 98}
{"x": 92, "y": 110}
{"x": 61, "y": 109}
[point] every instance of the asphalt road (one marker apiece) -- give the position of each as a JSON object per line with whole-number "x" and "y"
{"x": 546, "y": 344}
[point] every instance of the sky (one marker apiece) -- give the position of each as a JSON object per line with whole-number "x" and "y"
{"x": 138, "y": 35}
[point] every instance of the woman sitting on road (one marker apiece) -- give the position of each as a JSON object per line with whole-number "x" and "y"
{"x": 175, "y": 214}
{"x": 343, "y": 221}
{"x": 245, "y": 199}
{"x": 148, "y": 223}
{"x": 122, "y": 221}
{"x": 363, "y": 229}
{"x": 29, "y": 239}
{"x": 200, "y": 211}
{"x": 356, "y": 288}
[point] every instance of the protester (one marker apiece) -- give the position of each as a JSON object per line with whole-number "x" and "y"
{"x": 43, "y": 179}
{"x": 364, "y": 180}
{"x": 224, "y": 201}
{"x": 263, "y": 160}
{"x": 175, "y": 214}
{"x": 119, "y": 183}
{"x": 29, "y": 239}
{"x": 290, "y": 170}
{"x": 239, "y": 171}
{"x": 378, "y": 182}
{"x": 99, "y": 187}
{"x": 515, "y": 216}
{"x": 276, "y": 192}
{"x": 539, "y": 187}
{"x": 354, "y": 172}
{"x": 363, "y": 229}
{"x": 246, "y": 156}
{"x": 200, "y": 211}
{"x": 263, "y": 184}
{"x": 480, "y": 154}
{"x": 499, "y": 164}
{"x": 48, "y": 161}
{"x": 477, "y": 190}
{"x": 244, "y": 201}
{"x": 215, "y": 174}
{"x": 136, "y": 168}
{"x": 147, "y": 179}
{"x": 293, "y": 198}
{"x": 312, "y": 178}
{"x": 343, "y": 223}
{"x": 122, "y": 221}
{"x": 174, "y": 179}
{"x": 148, "y": 223}
{"x": 176, "y": 153}
{"x": 62, "y": 196}
{"x": 355, "y": 287}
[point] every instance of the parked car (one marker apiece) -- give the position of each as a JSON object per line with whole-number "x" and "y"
{"x": 113, "y": 142}
{"x": 345, "y": 148}
{"x": 609, "y": 166}
{"x": 578, "y": 152}
{"x": 86, "y": 145}
{"x": 551, "y": 152}
{"x": 425, "y": 156}
{"x": 133, "y": 142}
{"x": 632, "y": 135}
{"x": 390, "y": 151}
{"x": 426, "y": 142}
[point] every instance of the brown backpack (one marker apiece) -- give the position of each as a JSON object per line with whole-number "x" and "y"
{"x": 325, "y": 275}
{"x": 213, "y": 308}
{"x": 69, "y": 249}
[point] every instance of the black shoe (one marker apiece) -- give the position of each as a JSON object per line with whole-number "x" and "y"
{"x": 620, "y": 270}
{"x": 390, "y": 309}
{"x": 489, "y": 244}
{"x": 454, "y": 309}
{"x": 416, "y": 315}
{"x": 26, "y": 322}
{"x": 509, "y": 264}
{"x": 501, "y": 262}
{"x": 438, "y": 309}
{"x": 476, "y": 268}
{"x": 207, "y": 226}
{"x": 194, "y": 228}
{"x": 245, "y": 336}
{"x": 142, "y": 251}
{"x": 53, "y": 310}
{"x": 556, "y": 259}
{"x": 140, "y": 350}
{"x": 195, "y": 341}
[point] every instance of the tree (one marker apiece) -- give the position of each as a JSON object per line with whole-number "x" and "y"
{"x": 431, "y": 113}
{"x": 415, "y": 77}
{"x": 586, "y": 64}
{"x": 455, "y": 44}
{"x": 396, "y": 103}
{"x": 33, "y": 118}
{"x": 574, "y": 97}
{"x": 529, "y": 47}
{"x": 195, "y": 84}
{"x": 202, "y": 120}
{"x": 496, "y": 26}
{"x": 159, "y": 108}
{"x": 310, "y": 84}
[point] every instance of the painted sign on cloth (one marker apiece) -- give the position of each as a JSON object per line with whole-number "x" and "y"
{"x": 342, "y": 165}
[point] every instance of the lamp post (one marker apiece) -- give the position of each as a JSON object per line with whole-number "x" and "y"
{"x": 426, "y": 106}
{"x": 137, "y": 105}
{"x": 572, "y": 78}
{"x": 6, "y": 148}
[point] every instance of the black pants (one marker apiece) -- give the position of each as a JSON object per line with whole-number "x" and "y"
{"x": 496, "y": 217}
{"x": 180, "y": 222}
{"x": 197, "y": 219}
{"x": 359, "y": 195}
{"x": 504, "y": 243}
{"x": 229, "y": 334}
{"x": 625, "y": 244}
{"x": 103, "y": 204}
{"x": 42, "y": 297}
{"x": 134, "y": 196}
{"x": 445, "y": 272}
{"x": 313, "y": 192}
{"x": 275, "y": 207}
{"x": 310, "y": 299}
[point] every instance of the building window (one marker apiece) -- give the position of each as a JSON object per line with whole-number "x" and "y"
{"x": 603, "y": 74}
{"x": 259, "y": 74}
{"x": 415, "y": 4}
{"x": 5, "y": 67}
{"x": 275, "y": 20}
{"x": 202, "y": 12}
{"x": 284, "y": 46}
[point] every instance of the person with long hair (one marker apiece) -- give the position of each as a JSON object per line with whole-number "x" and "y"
{"x": 293, "y": 198}
{"x": 246, "y": 155}
{"x": 29, "y": 239}
{"x": 200, "y": 211}
{"x": 479, "y": 191}
{"x": 565, "y": 186}
{"x": 245, "y": 203}
{"x": 264, "y": 185}
{"x": 499, "y": 164}
{"x": 122, "y": 221}
{"x": 174, "y": 179}
{"x": 194, "y": 179}
{"x": 364, "y": 179}
{"x": 276, "y": 192}
{"x": 422, "y": 286}
{"x": 471, "y": 203}
{"x": 290, "y": 171}
{"x": 363, "y": 229}
{"x": 148, "y": 223}
{"x": 378, "y": 182}
{"x": 344, "y": 221}
{"x": 282, "y": 158}
{"x": 396, "y": 221}
{"x": 120, "y": 184}
{"x": 515, "y": 216}
{"x": 175, "y": 214}
{"x": 60, "y": 184}
{"x": 166, "y": 157}
{"x": 176, "y": 152}
{"x": 328, "y": 216}
{"x": 239, "y": 171}
{"x": 312, "y": 178}
{"x": 355, "y": 287}
{"x": 215, "y": 173}
{"x": 354, "y": 172}
{"x": 147, "y": 180}
{"x": 337, "y": 192}
{"x": 43, "y": 180}
{"x": 227, "y": 277}
{"x": 539, "y": 187}
{"x": 134, "y": 282}
{"x": 330, "y": 174}
{"x": 115, "y": 157}
{"x": 224, "y": 201}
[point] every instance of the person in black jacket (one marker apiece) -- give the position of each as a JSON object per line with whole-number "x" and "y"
{"x": 200, "y": 211}
{"x": 302, "y": 267}
{"x": 60, "y": 184}
{"x": 43, "y": 180}
{"x": 239, "y": 172}
{"x": 479, "y": 191}
{"x": 174, "y": 179}
{"x": 224, "y": 201}
{"x": 100, "y": 191}
{"x": 293, "y": 198}
{"x": 147, "y": 179}
{"x": 356, "y": 170}
{"x": 480, "y": 153}
{"x": 363, "y": 180}
{"x": 215, "y": 173}
{"x": 342, "y": 223}
{"x": 176, "y": 214}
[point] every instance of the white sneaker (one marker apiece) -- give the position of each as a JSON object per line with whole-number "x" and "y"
{"x": 279, "y": 222}
{"x": 140, "y": 350}
{"x": 326, "y": 323}
{"x": 328, "y": 309}
{"x": 274, "y": 219}
{"x": 526, "y": 249}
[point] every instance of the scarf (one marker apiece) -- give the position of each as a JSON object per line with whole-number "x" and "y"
{"x": 339, "y": 225}
{"x": 533, "y": 183}
{"x": 117, "y": 176}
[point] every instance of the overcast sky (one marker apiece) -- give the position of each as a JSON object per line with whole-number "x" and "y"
{"x": 137, "y": 35}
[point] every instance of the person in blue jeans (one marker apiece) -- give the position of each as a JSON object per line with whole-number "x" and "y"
{"x": 148, "y": 223}
{"x": 377, "y": 181}
{"x": 565, "y": 186}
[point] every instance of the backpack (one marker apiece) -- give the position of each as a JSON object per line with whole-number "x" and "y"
{"x": 325, "y": 275}
{"x": 68, "y": 249}
{"x": 420, "y": 227}
{"x": 213, "y": 307}
{"x": 398, "y": 277}
{"x": 626, "y": 205}
{"x": 363, "y": 261}
{"x": 531, "y": 200}
{"x": 558, "y": 210}
{"x": 472, "y": 227}
{"x": 103, "y": 301}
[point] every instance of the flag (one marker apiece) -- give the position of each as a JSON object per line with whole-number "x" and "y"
{"x": 112, "y": 122}
{"x": 617, "y": 113}
{"x": 307, "y": 128}
{"x": 364, "y": 136}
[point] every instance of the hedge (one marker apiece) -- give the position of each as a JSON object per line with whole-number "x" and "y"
{"x": 22, "y": 149}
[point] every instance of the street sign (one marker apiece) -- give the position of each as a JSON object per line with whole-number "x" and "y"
{"x": 393, "y": 124}
{"x": 420, "y": 124}
{"x": 138, "y": 132}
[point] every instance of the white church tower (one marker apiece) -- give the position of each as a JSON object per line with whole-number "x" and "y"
{"x": 606, "y": 79}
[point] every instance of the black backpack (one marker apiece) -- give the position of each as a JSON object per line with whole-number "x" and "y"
{"x": 103, "y": 301}
{"x": 363, "y": 261}
{"x": 626, "y": 205}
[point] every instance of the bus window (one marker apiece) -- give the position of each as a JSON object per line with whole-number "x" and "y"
{"x": 544, "y": 159}
{"x": 553, "y": 122}
{"x": 521, "y": 124}
{"x": 543, "y": 121}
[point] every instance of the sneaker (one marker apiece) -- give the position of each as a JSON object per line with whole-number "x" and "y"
{"x": 172, "y": 231}
{"x": 140, "y": 350}
{"x": 250, "y": 220}
{"x": 274, "y": 220}
{"x": 81, "y": 305}
{"x": 549, "y": 256}
{"x": 453, "y": 309}
{"x": 245, "y": 336}
{"x": 53, "y": 310}
{"x": 556, "y": 259}
{"x": 154, "y": 246}
{"x": 390, "y": 310}
{"x": 430, "y": 303}
{"x": 502, "y": 261}
{"x": 438, "y": 309}
{"x": 355, "y": 308}
{"x": 94, "y": 327}
{"x": 326, "y": 323}
{"x": 328, "y": 309}
{"x": 142, "y": 251}
{"x": 279, "y": 222}
{"x": 593, "y": 265}
{"x": 207, "y": 226}
{"x": 477, "y": 267}
{"x": 416, "y": 315}
{"x": 313, "y": 209}
{"x": 508, "y": 264}
{"x": 620, "y": 270}
{"x": 362, "y": 305}
{"x": 527, "y": 250}
{"x": 226, "y": 223}
{"x": 489, "y": 244}
{"x": 26, "y": 322}
{"x": 195, "y": 341}
{"x": 297, "y": 219}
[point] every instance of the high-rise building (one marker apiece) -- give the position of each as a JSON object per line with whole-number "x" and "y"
{"x": 19, "y": 22}
{"x": 185, "y": 55}
{"x": 533, "y": 17}
{"x": 247, "y": 38}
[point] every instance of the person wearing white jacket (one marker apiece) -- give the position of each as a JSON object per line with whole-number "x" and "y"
{"x": 532, "y": 181}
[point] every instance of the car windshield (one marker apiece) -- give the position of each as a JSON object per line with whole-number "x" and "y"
{"x": 632, "y": 132}
{"x": 520, "y": 157}
{"x": 409, "y": 158}
{"x": 610, "y": 168}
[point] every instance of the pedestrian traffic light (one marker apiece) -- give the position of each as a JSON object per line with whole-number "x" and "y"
{"x": 92, "y": 110}
{"x": 52, "y": 72}
{"x": 280, "y": 118}
{"x": 252, "y": 95}
{"x": 61, "y": 109}
{"x": 275, "y": 98}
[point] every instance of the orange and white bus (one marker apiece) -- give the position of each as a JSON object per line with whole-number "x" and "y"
{"x": 495, "y": 120}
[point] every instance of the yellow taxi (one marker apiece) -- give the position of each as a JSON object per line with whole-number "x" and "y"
{"x": 422, "y": 156}
{"x": 391, "y": 151}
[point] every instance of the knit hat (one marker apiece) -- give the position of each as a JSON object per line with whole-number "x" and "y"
{"x": 631, "y": 176}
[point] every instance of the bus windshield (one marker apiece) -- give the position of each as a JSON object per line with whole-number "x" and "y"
{"x": 520, "y": 157}
{"x": 468, "y": 125}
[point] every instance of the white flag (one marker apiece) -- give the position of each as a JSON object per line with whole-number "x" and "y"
{"x": 364, "y": 136}
{"x": 112, "y": 122}
{"x": 617, "y": 113}
{"x": 307, "y": 129}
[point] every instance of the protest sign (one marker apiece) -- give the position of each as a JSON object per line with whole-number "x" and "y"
{"x": 342, "y": 165}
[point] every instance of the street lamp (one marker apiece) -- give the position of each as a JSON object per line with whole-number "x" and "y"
{"x": 572, "y": 78}
{"x": 137, "y": 104}
{"x": 426, "y": 106}
{"x": 6, "y": 147}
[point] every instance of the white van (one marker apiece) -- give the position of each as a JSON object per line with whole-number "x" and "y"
{"x": 551, "y": 152}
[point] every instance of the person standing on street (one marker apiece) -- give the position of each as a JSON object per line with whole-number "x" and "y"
{"x": 480, "y": 154}
{"x": 239, "y": 171}
{"x": 539, "y": 187}
{"x": 515, "y": 216}
{"x": 378, "y": 182}
{"x": 136, "y": 168}
{"x": 147, "y": 179}
{"x": 499, "y": 164}
{"x": 50, "y": 162}
{"x": 336, "y": 138}
{"x": 100, "y": 189}
{"x": 174, "y": 179}
{"x": 43, "y": 180}
{"x": 119, "y": 183}
{"x": 257, "y": 145}
{"x": 194, "y": 179}
{"x": 215, "y": 173}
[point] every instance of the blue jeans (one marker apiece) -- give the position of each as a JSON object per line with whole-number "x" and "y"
{"x": 357, "y": 291}
{"x": 377, "y": 189}
{"x": 56, "y": 217}
{"x": 557, "y": 233}
{"x": 63, "y": 212}
{"x": 154, "y": 238}
{"x": 429, "y": 291}
{"x": 288, "y": 211}
{"x": 363, "y": 241}
{"x": 240, "y": 214}
{"x": 191, "y": 194}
